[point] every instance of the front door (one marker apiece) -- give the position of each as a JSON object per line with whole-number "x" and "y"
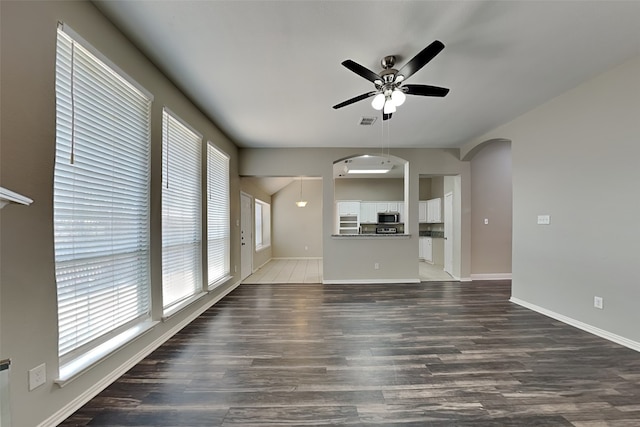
{"x": 246, "y": 233}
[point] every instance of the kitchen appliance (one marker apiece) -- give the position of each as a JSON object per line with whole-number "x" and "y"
{"x": 386, "y": 230}
{"x": 388, "y": 218}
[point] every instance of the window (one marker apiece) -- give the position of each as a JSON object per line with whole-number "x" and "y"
{"x": 263, "y": 224}
{"x": 181, "y": 212}
{"x": 100, "y": 202}
{"x": 218, "y": 238}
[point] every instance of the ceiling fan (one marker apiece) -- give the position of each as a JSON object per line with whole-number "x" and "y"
{"x": 390, "y": 92}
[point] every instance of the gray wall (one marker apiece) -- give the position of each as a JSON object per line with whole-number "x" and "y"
{"x": 28, "y": 313}
{"x": 352, "y": 260}
{"x": 297, "y": 232}
{"x": 369, "y": 189}
{"x": 491, "y": 199}
{"x": 576, "y": 159}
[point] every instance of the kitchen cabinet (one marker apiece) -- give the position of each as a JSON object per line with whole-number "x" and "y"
{"x": 425, "y": 249}
{"x": 391, "y": 207}
{"x": 422, "y": 211}
{"x": 348, "y": 217}
{"x": 368, "y": 213}
{"x": 434, "y": 210}
{"x": 348, "y": 207}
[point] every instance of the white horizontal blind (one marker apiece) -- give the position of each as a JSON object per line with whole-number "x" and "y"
{"x": 181, "y": 211}
{"x": 218, "y": 233}
{"x": 100, "y": 200}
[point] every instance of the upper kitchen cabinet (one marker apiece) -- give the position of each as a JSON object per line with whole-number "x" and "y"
{"x": 434, "y": 210}
{"x": 430, "y": 211}
{"x": 368, "y": 213}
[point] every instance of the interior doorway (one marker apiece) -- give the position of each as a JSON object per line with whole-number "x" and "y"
{"x": 432, "y": 223}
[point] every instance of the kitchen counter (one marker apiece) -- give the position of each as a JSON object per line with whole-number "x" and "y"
{"x": 371, "y": 236}
{"x": 434, "y": 234}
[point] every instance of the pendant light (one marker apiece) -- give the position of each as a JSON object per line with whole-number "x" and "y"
{"x": 301, "y": 203}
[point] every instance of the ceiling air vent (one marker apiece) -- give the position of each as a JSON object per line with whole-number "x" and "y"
{"x": 367, "y": 121}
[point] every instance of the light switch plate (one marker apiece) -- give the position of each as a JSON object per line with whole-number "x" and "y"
{"x": 37, "y": 376}
{"x": 598, "y": 302}
{"x": 544, "y": 219}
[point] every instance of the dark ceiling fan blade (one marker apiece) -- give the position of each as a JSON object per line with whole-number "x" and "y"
{"x": 421, "y": 59}
{"x": 425, "y": 90}
{"x": 386, "y": 116}
{"x": 355, "y": 99}
{"x": 362, "y": 71}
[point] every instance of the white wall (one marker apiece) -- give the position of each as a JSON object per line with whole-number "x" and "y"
{"x": 28, "y": 312}
{"x": 576, "y": 159}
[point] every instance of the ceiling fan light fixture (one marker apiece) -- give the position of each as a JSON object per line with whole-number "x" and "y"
{"x": 398, "y": 97}
{"x": 389, "y": 107}
{"x": 378, "y": 102}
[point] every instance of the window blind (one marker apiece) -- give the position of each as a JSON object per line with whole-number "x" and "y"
{"x": 218, "y": 233}
{"x": 181, "y": 211}
{"x": 100, "y": 199}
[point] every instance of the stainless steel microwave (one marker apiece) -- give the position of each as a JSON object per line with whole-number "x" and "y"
{"x": 388, "y": 217}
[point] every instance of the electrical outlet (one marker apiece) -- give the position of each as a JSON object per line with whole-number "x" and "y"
{"x": 486, "y": 221}
{"x": 598, "y": 302}
{"x": 376, "y": 266}
{"x": 37, "y": 376}
{"x": 544, "y": 219}
{"x": 306, "y": 248}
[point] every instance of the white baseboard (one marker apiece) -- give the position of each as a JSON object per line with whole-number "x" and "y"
{"x": 67, "y": 410}
{"x": 298, "y": 257}
{"x": 633, "y": 345}
{"x": 367, "y": 281}
{"x": 491, "y": 276}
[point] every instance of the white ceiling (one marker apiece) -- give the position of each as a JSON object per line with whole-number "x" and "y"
{"x": 268, "y": 72}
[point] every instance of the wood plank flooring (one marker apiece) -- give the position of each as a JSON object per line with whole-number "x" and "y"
{"x": 429, "y": 354}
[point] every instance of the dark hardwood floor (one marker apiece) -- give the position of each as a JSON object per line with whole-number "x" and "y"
{"x": 429, "y": 354}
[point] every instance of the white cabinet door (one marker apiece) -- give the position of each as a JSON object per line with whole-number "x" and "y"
{"x": 392, "y": 207}
{"x": 348, "y": 208}
{"x": 422, "y": 211}
{"x": 425, "y": 249}
{"x": 428, "y": 249}
{"x": 368, "y": 213}
{"x": 434, "y": 210}
{"x": 382, "y": 207}
{"x": 401, "y": 211}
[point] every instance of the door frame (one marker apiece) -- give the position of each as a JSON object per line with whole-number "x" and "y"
{"x": 246, "y": 241}
{"x": 448, "y": 233}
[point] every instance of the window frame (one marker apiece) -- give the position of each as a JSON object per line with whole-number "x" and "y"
{"x": 89, "y": 88}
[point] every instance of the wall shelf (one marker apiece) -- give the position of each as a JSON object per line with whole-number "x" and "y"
{"x": 8, "y": 196}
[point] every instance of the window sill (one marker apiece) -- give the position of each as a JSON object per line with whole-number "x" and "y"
{"x": 179, "y": 307}
{"x": 74, "y": 368}
{"x": 219, "y": 282}
{"x": 262, "y": 248}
